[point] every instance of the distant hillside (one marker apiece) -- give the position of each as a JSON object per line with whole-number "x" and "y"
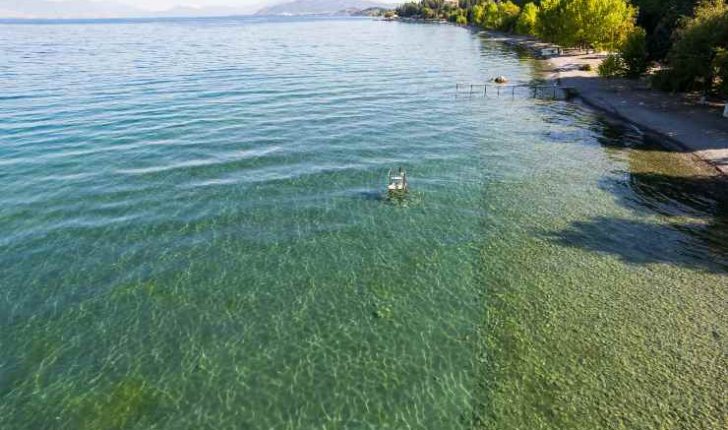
{"x": 321, "y": 7}
{"x": 205, "y": 11}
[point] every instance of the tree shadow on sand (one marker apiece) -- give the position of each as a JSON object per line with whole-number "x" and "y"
{"x": 704, "y": 197}
{"x": 637, "y": 242}
{"x": 692, "y": 231}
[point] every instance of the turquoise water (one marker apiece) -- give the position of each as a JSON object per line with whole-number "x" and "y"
{"x": 194, "y": 236}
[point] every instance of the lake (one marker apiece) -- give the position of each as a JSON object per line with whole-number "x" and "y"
{"x": 194, "y": 235}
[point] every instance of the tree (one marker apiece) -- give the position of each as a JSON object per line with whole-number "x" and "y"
{"x": 697, "y": 58}
{"x": 428, "y": 13}
{"x": 490, "y": 15}
{"x": 458, "y": 16}
{"x": 408, "y": 9}
{"x": 476, "y": 14}
{"x": 602, "y": 24}
{"x": 507, "y": 15}
{"x": 660, "y": 18}
{"x": 498, "y": 15}
{"x": 527, "y": 22}
{"x": 551, "y": 20}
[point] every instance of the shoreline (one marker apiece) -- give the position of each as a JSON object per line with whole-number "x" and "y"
{"x": 676, "y": 122}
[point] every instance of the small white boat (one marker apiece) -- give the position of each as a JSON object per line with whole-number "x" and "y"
{"x": 397, "y": 182}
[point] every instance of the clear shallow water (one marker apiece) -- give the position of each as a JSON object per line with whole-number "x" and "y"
{"x": 194, "y": 237}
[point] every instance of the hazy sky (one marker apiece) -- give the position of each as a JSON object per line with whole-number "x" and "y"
{"x": 166, "y": 4}
{"x": 157, "y": 5}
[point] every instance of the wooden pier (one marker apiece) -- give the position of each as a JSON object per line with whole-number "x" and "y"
{"x": 555, "y": 92}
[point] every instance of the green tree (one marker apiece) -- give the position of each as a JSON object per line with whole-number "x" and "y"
{"x": 602, "y": 24}
{"x": 408, "y": 9}
{"x": 527, "y": 22}
{"x": 428, "y": 13}
{"x": 507, "y": 15}
{"x": 551, "y": 19}
{"x": 609, "y": 22}
{"x": 697, "y": 58}
{"x": 660, "y": 18}
{"x": 476, "y": 14}
{"x": 490, "y": 15}
{"x": 499, "y": 15}
{"x": 458, "y": 16}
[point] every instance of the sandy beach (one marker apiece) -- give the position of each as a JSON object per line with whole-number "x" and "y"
{"x": 679, "y": 122}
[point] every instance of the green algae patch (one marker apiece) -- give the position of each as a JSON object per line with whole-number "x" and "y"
{"x": 622, "y": 336}
{"x": 129, "y": 403}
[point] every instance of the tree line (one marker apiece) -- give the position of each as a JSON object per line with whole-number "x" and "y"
{"x": 686, "y": 40}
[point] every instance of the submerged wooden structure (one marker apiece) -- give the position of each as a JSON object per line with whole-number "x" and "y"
{"x": 555, "y": 92}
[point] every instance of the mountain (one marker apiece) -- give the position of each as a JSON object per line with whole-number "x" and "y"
{"x": 182, "y": 11}
{"x": 87, "y": 9}
{"x": 321, "y": 7}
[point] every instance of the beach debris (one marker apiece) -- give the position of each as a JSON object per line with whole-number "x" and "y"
{"x": 501, "y": 80}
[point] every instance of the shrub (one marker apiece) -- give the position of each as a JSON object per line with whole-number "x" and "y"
{"x": 462, "y": 20}
{"x": 634, "y": 53}
{"x": 662, "y": 80}
{"x": 612, "y": 67}
{"x": 720, "y": 65}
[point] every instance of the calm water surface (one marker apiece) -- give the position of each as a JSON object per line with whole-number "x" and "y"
{"x": 193, "y": 236}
